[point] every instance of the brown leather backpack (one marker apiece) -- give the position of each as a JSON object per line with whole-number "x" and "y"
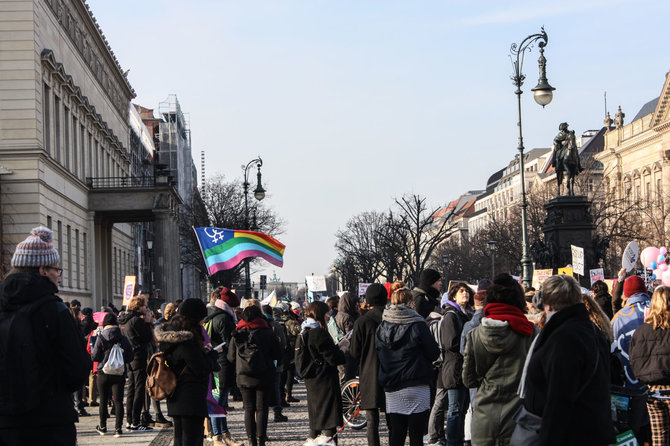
{"x": 161, "y": 379}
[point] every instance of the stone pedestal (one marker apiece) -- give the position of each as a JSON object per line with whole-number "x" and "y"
{"x": 569, "y": 222}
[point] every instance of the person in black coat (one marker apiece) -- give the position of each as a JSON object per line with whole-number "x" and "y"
{"x": 602, "y": 297}
{"x": 64, "y": 363}
{"x": 567, "y": 378}
{"x": 650, "y": 361}
{"x": 426, "y": 297}
{"x": 324, "y": 404}
{"x": 363, "y": 350}
{"x": 109, "y": 385}
{"x": 221, "y": 321}
{"x": 182, "y": 340}
{"x": 137, "y": 325}
{"x": 255, "y": 378}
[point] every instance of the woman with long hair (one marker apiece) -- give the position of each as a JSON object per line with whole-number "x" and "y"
{"x": 406, "y": 352}
{"x": 254, "y": 349}
{"x": 324, "y": 404}
{"x": 182, "y": 340}
{"x": 650, "y": 360}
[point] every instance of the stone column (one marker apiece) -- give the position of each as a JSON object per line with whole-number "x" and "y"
{"x": 166, "y": 255}
{"x": 100, "y": 260}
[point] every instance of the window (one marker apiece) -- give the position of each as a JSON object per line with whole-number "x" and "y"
{"x": 69, "y": 256}
{"x": 95, "y": 161}
{"x": 85, "y": 261}
{"x": 57, "y": 128}
{"x": 75, "y": 149}
{"x": 77, "y": 258}
{"x": 60, "y": 237}
{"x": 46, "y": 117}
{"x": 49, "y": 223}
{"x": 83, "y": 150}
{"x": 66, "y": 136}
{"x": 89, "y": 172}
{"x": 659, "y": 191}
{"x": 647, "y": 192}
{"x": 115, "y": 272}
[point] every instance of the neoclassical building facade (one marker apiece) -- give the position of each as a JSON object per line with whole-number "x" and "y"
{"x": 64, "y": 104}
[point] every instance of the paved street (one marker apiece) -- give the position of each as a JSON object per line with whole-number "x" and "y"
{"x": 294, "y": 432}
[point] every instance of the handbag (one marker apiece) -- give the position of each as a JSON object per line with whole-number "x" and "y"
{"x": 527, "y": 429}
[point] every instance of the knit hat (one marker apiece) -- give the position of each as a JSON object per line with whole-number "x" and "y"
{"x": 109, "y": 319}
{"x": 36, "y": 250}
{"x": 229, "y": 297}
{"x": 295, "y": 306}
{"x": 282, "y": 306}
{"x": 428, "y": 277}
{"x": 193, "y": 309}
{"x": 376, "y": 295}
{"x": 483, "y": 284}
{"x": 480, "y": 296}
{"x": 632, "y": 285}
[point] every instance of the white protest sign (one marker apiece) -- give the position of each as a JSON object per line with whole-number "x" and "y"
{"x": 597, "y": 274}
{"x": 316, "y": 283}
{"x": 630, "y": 256}
{"x": 577, "y": 260}
{"x": 362, "y": 288}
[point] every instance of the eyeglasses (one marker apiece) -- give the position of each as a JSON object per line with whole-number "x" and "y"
{"x": 59, "y": 271}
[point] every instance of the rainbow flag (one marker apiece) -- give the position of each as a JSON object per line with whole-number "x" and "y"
{"x": 225, "y": 248}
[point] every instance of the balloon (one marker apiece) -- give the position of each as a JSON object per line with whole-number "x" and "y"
{"x": 663, "y": 250}
{"x": 665, "y": 278}
{"x": 648, "y": 255}
{"x": 660, "y": 258}
{"x": 653, "y": 277}
{"x": 658, "y": 273}
{"x": 663, "y": 266}
{"x": 653, "y": 265}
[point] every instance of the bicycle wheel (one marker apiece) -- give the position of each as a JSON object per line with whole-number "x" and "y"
{"x": 351, "y": 405}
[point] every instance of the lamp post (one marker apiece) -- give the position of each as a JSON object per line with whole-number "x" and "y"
{"x": 259, "y": 194}
{"x": 543, "y": 94}
{"x": 492, "y": 249}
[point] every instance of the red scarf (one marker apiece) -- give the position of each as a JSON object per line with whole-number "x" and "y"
{"x": 252, "y": 325}
{"x": 511, "y": 314}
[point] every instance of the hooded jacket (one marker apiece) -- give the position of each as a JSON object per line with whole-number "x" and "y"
{"x": 139, "y": 333}
{"x": 405, "y": 348}
{"x": 58, "y": 341}
{"x": 257, "y": 331}
{"x": 624, "y": 324}
{"x": 425, "y": 299}
{"x": 347, "y": 312}
{"x": 110, "y": 336}
{"x": 192, "y": 367}
{"x": 362, "y": 348}
{"x": 451, "y": 327}
{"x": 222, "y": 326}
{"x": 650, "y": 355}
{"x": 493, "y": 363}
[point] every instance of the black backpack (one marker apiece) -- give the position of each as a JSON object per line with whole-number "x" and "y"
{"x": 20, "y": 378}
{"x": 250, "y": 358}
{"x": 305, "y": 365}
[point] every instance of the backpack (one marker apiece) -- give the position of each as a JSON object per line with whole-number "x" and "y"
{"x": 161, "y": 379}
{"x": 250, "y": 359}
{"x": 305, "y": 365}
{"x": 335, "y": 332}
{"x": 115, "y": 364}
{"x": 434, "y": 327}
{"x": 20, "y": 365}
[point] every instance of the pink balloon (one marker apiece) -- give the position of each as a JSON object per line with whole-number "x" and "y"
{"x": 665, "y": 278}
{"x": 663, "y": 250}
{"x": 649, "y": 255}
{"x": 663, "y": 267}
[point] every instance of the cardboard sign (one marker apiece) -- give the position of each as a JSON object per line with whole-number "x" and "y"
{"x": 567, "y": 271}
{"x": 539, "y": 276}
{"x": 630, "y": 256}
{"x": 362, "y": 288}
{"x": 316, "y": 283}
{"x": 128, "y": 289}
{"x": 577, "y": 259}
{"x": 596, "y": 275}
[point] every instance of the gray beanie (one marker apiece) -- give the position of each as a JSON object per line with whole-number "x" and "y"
{"x": 36, "y": 250}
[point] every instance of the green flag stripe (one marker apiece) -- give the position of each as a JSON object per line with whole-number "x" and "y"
{"x": 225, "y": 246}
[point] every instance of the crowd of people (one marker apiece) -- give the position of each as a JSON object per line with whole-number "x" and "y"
{"x": 496, "y": 366}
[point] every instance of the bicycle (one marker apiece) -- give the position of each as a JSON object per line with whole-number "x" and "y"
{"x": 351, "y": 405}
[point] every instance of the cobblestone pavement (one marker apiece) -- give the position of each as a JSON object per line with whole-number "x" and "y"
{"x": 293, "y": 433}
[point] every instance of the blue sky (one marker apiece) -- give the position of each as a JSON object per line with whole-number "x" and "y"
{"x": 353, "y": 103}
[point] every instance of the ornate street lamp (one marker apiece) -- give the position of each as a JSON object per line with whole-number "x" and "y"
{"x": 492, "y": 249}
{"x": 259, "y": 194}
{"x": 543, "y": 94}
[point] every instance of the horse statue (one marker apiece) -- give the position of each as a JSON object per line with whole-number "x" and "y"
{"x": 565, "y": 158}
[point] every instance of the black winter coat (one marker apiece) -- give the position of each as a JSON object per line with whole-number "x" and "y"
{"x": 192, "y": 367}
{"x": 650, "y": 354}
{"x": 324, "y": 403}
{"x": 223, "y": 326}
{"x": 406, "y": 353}
{"x": 103, "y": 346}
{"x": 362, "y": 348}
{"x": 140, "y": 334}
{"x": 267, "y": 342}
{"x": 425, "y": 301}
{"x": 605, "y": 301}
{"x": 567, "y": 384}
{"x": 66, "y": 363}
{"x": 451, "y": 327}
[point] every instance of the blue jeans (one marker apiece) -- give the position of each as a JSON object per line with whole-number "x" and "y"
{"x": 220, "y": 424}
{"x": 454, "y": 402}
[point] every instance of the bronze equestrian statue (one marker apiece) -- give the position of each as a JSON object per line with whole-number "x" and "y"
{"x": 565, "y": 158}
